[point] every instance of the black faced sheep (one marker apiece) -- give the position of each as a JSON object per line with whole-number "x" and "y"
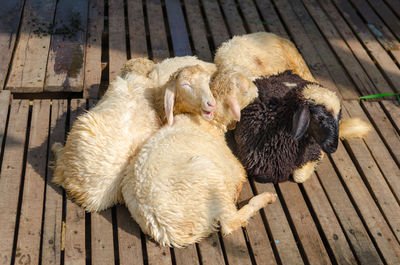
{"x": 286, "y": 128}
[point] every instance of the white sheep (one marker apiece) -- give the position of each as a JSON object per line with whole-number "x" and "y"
{"x": 104, "y": 139}
{"x": 185, "y": 181}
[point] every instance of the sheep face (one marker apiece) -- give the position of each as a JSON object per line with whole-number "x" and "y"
{"x": 235, "y": 91}
{"x": 320, "y": 116}
{"x": 189, "y": 92}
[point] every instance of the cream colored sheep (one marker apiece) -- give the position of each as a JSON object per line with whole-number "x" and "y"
{"x": 264, "y": 54}
{"x": 104, "y": 139}
{"x": 185, "y": 181}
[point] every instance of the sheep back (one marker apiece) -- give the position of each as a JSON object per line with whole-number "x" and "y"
{"x": 263, "y": 137}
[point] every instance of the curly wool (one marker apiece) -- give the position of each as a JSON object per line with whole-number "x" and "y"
{"x": 265, "y": 145}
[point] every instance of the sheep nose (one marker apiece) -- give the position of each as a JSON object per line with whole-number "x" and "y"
{"x": 211, "y": 104}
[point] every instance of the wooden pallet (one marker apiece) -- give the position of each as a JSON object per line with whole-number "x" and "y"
{"x": 347, "y": 213}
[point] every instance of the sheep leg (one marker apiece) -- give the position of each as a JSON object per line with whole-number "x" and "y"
{"x": 241, "y": 217}
{"x": 302, "y": 174}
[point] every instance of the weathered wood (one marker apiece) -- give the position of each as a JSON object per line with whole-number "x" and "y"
{"x": 393, "y": 110}
{"x": 305, "y": 228}
{"x": 157, "y": 255}
{"x": 270, "y": 18}
{"x": 350, "y": 221}
{"x": 211, "y": 251}
{"x": 233, "y": 19}
{"x": 369, "y": 211}
{"x": 10, "y": 15}
{"x": 394, "y": 5}
{"x": 116, "y": 39}
{"x": 177, "y": 28}
{"x": 378, "y": 27}
{"x": 378, "y": 150}
{"x": 52, "y": 226}
{"x": 30, "y": 58}
{"x": 93, "y": 49}
{"x": 137, "y": 31}
{"x": 377, "y": 52}
{"x": 186, "y": 255}
{"x": 356, "y": 47}
{"x": 257, "y": 234}
{"x": 30, "y": 224}
{"x": 385, "y": 128}
{"x": 102, "y": 239}
{"x": 282, "y": 236}
{"x": 129, "y": 238}
{"x": 102, "y": 246}
{"x": 11, "y": 174}
{"x": 4, "y": 105}
{"x": 198, "y": 30}
{"x": 65, "y": 67}
{"x": 215, "y": 22}
{"x": 249, "y": 11}
{"x": 328, "y": 222}
{"x": 349, "y": 61}
{"x": 74, "y": 226}
{"x": 158, "y": 36}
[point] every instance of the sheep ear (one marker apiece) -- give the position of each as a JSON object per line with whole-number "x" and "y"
{"x": 169, "y": 100}
{"x": 235, "y": 108}
{"x": 300, "y": 122}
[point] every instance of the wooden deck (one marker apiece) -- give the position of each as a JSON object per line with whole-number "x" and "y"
{"x": 59, "y": 55}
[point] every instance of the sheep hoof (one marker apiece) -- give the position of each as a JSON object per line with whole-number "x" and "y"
{"x": 261, "y": 200}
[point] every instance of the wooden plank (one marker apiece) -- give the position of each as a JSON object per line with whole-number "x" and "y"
{"x": 137, "y": 31}
{"x": 305, "y": 228}
{"x": 129, "y": 238}
{"x": 177, "y": 28}
{"x": 328, "y": 222}
{"x": 369, "y": 211}
{"x": 233, "y": 19}
{"x": 198, "y": 30}
{"x": 74, "y": 226}
{"x": 11, "y": 174}
{"x": 378, "y": 28}
{"x": 157, "y": 255}
{"x": 257, "y": 234}
{"x": 378, "y": 150}
{"x": 186, "y": 255}
{"x": 356, "y": 47}
{"x": 30, "y": 224}
{"x": 392, "y": 109}
{"x": 65, "y": 66}
{"x": 385, "y": 128}
{"x": 270, "y": 18}
{"x": 158, "y": 36}
{"x": 394, "y": 5}
{"x": 282, "y": 236}
{"x": 249, "y": 11}
{"x": 349, "y": 61}
{"x": 386, "y": 15}
{"x": 306, "y": 46}
{"x": 211, "y": 251}
{"x": 10, "y": 15}
{"x": 116, "y": 40}
{"x": 52, "y": 226}
{"x": 377, "y": 52}
{"x": 353, "y": 227}
{"x": 5, "y": 97}
{"x": 93, "y": 49}
{"x": 215, "y": 22}
{"x": 102, "y": 238}
{"x": 102, "y": 247}
{"x": 30, "y": 58}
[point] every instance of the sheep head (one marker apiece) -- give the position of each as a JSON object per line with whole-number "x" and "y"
{"x": 321, "y": 114}
{"x": 233, "y": 91}
{"x": 188, "y": 91}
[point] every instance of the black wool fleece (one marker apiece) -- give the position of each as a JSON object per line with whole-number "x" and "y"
{"x": 264, "y": 139}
